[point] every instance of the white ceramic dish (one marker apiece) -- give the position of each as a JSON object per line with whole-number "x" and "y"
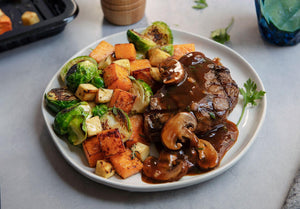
{"x": 240, "y": 69}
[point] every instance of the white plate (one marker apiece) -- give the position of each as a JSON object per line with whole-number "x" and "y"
{"x": 240, "y": 69}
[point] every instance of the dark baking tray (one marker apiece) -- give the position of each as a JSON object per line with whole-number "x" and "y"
{"x": 54, "y": 16}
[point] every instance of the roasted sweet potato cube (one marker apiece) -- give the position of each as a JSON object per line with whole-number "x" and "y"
{"x": 182, "y": 49}
{"x": 116, "y": 77}
{"x": 102, "y": 51}
{"x": 145, "y": 75}
{"x": 126, "y": 164}
{"x": 123, "y": 100}
{"x": 125, "y": 51}
{"x": 139, "y": 64}
{"x": 5, "y": 23}
{"x": 111, "y": 142}
{"x": 137, "y": 127}
{"x": 92, "y": 150}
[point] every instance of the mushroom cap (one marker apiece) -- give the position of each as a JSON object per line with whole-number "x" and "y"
{"x": 179, "y": 127}
{"x": 172, "y": 72}
{"x": 166, "y": 168}
{"x": 208, "y": 156}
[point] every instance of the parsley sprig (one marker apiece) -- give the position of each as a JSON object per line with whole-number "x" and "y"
{"x": 250, "y": 95}
{"x": 221, "y": 35}
{"x": 200, "y": 4}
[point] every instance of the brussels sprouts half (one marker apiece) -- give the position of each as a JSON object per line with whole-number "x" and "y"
{"x": 117, "y": 118}
{"x": 77, "y": 130}
{"x": 66, "y": 67}
{"x": 82, "y": 72}
{"x": 64, "y": 117}
{"x": 98, "y": 81}
{"x": 141, "y": 42}
{"x": 159, "y": 32}
{"x": 143, "y": 92}
{"x": 58, "y": 99}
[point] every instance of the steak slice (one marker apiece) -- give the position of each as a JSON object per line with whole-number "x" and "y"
{"x": 208, "y": 91}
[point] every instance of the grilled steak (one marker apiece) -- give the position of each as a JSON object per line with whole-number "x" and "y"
{"x": 207, "y": 90}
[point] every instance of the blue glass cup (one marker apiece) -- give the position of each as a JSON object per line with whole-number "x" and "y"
{"x": 271, "y": 21}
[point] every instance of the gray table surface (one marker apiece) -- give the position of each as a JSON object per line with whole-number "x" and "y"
{"x": 33, "y": 174}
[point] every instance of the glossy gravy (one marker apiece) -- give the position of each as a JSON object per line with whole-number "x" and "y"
{"x": 181, "y": 97}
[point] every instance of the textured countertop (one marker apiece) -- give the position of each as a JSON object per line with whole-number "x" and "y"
{"x": 33, "y": 174}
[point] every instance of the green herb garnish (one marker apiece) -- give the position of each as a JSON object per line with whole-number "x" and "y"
{"x": 133, "y": 150}
{"x": 132, "y": 78}
{"x": 221, "y": 35}
{"x": 212, "y": 115}
{"x": 200, "y": 4}
{"x": 250, "y": 94}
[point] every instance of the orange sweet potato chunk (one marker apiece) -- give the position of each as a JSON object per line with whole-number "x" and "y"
{"x": 125, "y": 51}
{"x": 182, "y": 49}
{"x": 102, "y": 50}
{"x": 139, "y": 64}
{"x": 137, "y": 126}
{"x": 116, "y": 77}
{"x": 144, "y": 74}
{"x": 126, "y": 164}
{"x": 123, "y": 100}
{"x": 92, "y": 151}
{"x": 111, "y": 142}
{"x": 5, "y": 23}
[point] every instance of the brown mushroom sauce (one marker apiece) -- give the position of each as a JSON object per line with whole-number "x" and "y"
{"x": 222, "y": 137}
{"x": 172, "y": 165}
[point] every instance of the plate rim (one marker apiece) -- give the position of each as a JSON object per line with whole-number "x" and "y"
{"x": 169, "y": 185}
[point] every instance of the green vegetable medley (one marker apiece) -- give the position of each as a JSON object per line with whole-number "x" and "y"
{"x": 83, "y": 76}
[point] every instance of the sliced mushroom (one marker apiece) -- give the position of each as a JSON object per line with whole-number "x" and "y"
{"x": 172, "y": 71}
{"x": 179, "y": 127}
{"x": 208, "y": 156}
{"x": 166, "y": 168}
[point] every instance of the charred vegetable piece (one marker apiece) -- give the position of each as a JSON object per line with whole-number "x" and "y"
{"x": 77, "y": 131}
{"x": 82, "y": 72}
{"x": 66, "y": 67}
{"x": 143, "y": 92}
{"x": 159, "y": 32}
{"x": 58, "y": 99}
{"x": 117, "y": 118}
{"x": 141, "y": 42}
{"x": 64, "y": 117}
{"x": 99, "y": 110}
